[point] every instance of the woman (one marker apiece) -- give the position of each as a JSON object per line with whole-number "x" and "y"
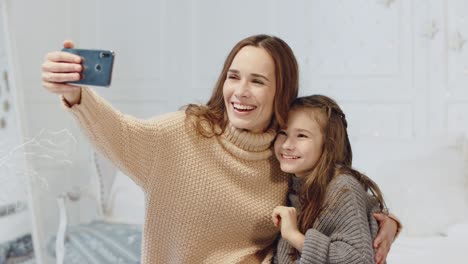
{"x": 208, "y": 173}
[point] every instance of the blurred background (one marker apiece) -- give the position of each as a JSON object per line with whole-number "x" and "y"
{"x": 399, "y": 68}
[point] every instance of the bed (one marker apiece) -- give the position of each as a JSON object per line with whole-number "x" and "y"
{"x": 15, "y": 244}
{"x": 450, "y": 248}
{"x": 425, "y": 183}
{"x": 115, "y": 235}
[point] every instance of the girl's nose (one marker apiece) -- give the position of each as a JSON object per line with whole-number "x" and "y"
{"x": 288, "y": 144}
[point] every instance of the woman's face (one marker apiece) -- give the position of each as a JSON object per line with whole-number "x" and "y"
{"x": 299, "y": 146}
{"x": 249, "y": 89}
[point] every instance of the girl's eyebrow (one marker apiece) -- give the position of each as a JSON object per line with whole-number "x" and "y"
{"x": 302, "y": 130}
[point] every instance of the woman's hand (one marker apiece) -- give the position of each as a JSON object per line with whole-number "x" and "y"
{"x": 387, "y": 232}
{"x": 286, "y": 217}
{"x": 59, "y": 68}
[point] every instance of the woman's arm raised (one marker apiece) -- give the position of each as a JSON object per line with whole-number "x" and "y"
{"x": 127, "y": 141}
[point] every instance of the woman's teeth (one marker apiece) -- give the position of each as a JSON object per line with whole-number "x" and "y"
{"x": 243, "y": 107}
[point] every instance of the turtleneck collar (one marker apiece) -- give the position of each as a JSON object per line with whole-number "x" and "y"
{"x": 295, "y": 188}
{"x": 296, "y": 183}
{"x": 248, "y": 145}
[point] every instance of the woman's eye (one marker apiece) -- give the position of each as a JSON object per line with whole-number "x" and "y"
{"x": 282, "y": 133}
{"x": 258, "y": 82}
{"x": 302, "y": 136}
{"x": 234, "y": 77}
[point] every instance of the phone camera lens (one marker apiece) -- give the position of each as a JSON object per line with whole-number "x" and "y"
{"x": 104, "y": 54}
{"x": 98, "y": 67}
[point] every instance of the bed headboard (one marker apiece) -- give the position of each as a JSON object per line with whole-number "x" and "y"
{"x": 119, "y": 198}
{"x": 104, "y": 176}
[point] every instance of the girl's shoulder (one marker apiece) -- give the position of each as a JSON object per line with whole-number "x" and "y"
{"x": 345, "y": 186}
{"x": 345, "y": 181}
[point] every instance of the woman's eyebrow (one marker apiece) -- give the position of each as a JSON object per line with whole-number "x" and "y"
{"x": 260, "y": 76}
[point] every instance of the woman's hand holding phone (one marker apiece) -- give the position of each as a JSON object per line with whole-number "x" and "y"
{"x": 60, "y": 68}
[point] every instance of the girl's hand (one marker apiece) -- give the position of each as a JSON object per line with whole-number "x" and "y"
{"x": 59, "y": 68}
{"x": 383, "y": 241}
{"x": 286, "y": 218}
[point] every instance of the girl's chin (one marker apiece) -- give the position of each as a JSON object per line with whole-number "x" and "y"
{"x": 288, "y": 170}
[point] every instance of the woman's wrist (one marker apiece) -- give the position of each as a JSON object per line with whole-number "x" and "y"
{"x": 73, "y": 98}
{"x": 398, "y": 224}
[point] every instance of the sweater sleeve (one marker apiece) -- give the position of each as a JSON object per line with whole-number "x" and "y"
{"x": 126, "y": 141}
{"x": 349, "y": 237}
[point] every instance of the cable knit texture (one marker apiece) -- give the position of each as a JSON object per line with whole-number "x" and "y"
{"x": 344, "y": 231}
{"x": 208, "y": 200}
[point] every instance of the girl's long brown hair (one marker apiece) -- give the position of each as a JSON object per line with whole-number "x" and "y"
{"x": 212, "y": 115}
{"x": 336, "y": 159}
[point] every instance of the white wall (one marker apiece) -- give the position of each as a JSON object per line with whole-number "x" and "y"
{"x": 14, "y": 216}
{"x": 397, "y": 67}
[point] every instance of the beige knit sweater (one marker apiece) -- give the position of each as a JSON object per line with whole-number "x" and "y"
{"x": 208, "y": 200}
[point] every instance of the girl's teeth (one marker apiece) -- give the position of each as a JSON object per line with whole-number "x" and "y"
{"x": 290, "y": 157}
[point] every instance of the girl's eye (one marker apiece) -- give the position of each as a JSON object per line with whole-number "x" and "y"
{"x": 302, "y": 136}
{"x": 281, "y": 132}
{"x": 232, "y": 76}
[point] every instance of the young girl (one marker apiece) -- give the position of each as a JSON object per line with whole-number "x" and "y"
{"x": 333, "y": 222}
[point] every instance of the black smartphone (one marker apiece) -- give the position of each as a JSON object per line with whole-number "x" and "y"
{"x": 97, "y": 66}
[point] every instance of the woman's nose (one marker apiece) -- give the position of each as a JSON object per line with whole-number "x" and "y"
{"x": 242, "y": 90}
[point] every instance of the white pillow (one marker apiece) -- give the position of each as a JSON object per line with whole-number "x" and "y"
{"x": 126, "y": 201}
{"x": 423, "y": 182}
{"x": 427, "y": 193}
{"x": 14, "y": 226}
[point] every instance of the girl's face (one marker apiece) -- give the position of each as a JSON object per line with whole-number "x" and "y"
{"x": 299, "y": 146}
{"x": 249, "y": 89}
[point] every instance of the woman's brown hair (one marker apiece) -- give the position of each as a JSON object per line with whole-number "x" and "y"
{"x": 336, "y": 159}
{"x": 209, "y": 117}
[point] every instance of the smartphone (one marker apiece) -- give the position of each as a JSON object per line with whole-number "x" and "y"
{"x": 97, "y": 66}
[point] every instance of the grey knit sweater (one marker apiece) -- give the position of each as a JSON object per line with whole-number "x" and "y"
{"x": 343, "y": 233}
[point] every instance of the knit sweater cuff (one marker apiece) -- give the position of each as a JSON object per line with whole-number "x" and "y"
{"x": 88, "y": 101}
{"x": 316, "y": 246}
{"x": 87, "y": 112}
